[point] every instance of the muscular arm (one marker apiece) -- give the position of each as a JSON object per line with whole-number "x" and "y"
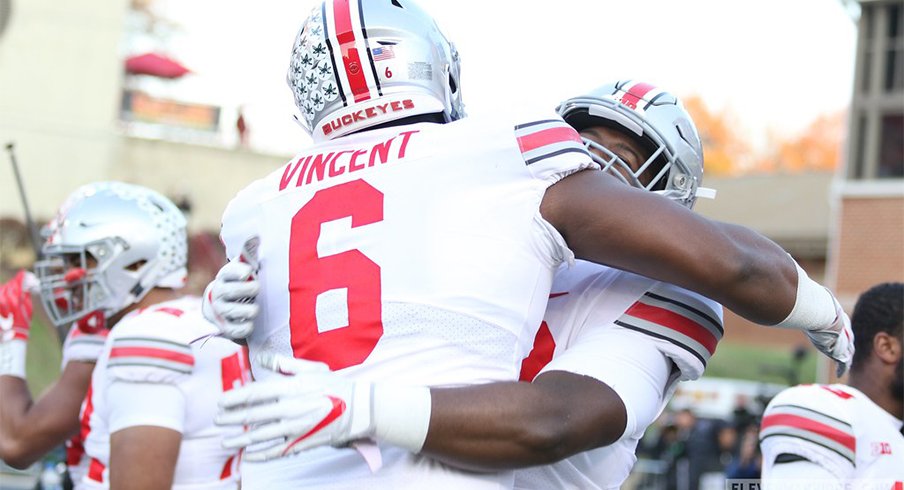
{"x": 607, "y": 222}
{"x": 509, "y": 425}
{"x": 143, "y": 457}
{"x": 29, "y": 429}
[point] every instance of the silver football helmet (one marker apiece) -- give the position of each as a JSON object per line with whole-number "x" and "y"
{"x": 360, "y": 63}
{"x": 109, "y": 244}
{"x": 664, "y": 126}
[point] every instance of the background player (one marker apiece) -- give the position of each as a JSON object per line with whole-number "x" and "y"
{"x": 618, "y": 342}
{"x": 839, "y": 435}
{"x": 121, "y": 249}
{"x": 375, "y": 277}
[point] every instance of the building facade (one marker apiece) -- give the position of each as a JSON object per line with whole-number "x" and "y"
{"x": 868, "y": 240}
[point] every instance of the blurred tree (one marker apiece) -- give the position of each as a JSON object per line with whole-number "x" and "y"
{"x": 725, "y": 152}
{"x": 816, "y": 148}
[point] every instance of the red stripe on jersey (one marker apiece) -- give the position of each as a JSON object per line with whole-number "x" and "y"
{"x": 176, "y": 312}
{"x": 227, "y": 469}
{"x": 540, "y": 355}
{"x": 549, "y": 136}
{"x": 676, "y": 322}
{"x": 345, "y": 34}
{"x": 636, "y": 93}
{"x": 96, "y": 470}
{"x": 845, "y": 439}
{"x": 85, "y": 422}
{"x": 835, "y": 391}
{"x": 165, "y": 354}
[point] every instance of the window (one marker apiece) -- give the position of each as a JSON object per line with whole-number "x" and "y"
{"x": 891, "y": 147}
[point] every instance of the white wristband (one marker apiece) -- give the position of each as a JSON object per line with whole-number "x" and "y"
{"x": 814, "y": 307}
{"x": 12, "y": 358}
{"x": 402, "y": 415}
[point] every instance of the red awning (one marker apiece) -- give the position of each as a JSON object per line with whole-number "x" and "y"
{"x": 155, "y": 65}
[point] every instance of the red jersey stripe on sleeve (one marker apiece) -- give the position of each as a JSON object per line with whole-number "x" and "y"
{"x": 150, "y": 352}
{"x": 846, "y": 439}
{"x": 548, "y": 138}
{"x": 676, "y": 322}
{"x": 532, "y": 141}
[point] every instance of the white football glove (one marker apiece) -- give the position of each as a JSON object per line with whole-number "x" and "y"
{"x": 228, "y": 300}
{"x": 307, "y": 406}
{"x": 836, "y": 340}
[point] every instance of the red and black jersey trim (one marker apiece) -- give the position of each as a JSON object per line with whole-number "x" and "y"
{"x": 548, "y": 138}
{"x": 677, "y": 322}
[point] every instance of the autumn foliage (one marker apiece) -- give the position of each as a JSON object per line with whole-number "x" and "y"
{"x": 727, "y": 152}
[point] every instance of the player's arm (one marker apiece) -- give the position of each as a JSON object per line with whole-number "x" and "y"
{"x": 30, "y": 429}
{"x": 567, "y": 409}
{"x": 607, "y": 384}
{"x": 146, "y": 422}
{"x": 148, "y": 404}
{"x": 498, "y": 425}
{"x": 516, "y": 424}
{"x": 605, "y": 221}
{"x": 144, "y": 458}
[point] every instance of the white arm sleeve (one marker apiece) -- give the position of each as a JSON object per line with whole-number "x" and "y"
{"x": 133, "y": 404}
{"x": 799, "y": 475}
{"x": 628, "y": 362}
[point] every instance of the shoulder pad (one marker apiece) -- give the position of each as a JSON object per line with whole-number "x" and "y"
{"x": 812, "y": 421}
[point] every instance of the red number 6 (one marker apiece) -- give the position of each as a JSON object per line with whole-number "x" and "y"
{"x": 311, "y": 275}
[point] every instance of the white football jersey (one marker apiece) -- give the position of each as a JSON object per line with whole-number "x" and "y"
{"x": 838, "y": 428}
{"x": 155, "y": 347}
{"x": 636, "y": 335}
{"x": 415, "y": 254}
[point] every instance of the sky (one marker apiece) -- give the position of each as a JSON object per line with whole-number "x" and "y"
{"x": 775, "y": 65}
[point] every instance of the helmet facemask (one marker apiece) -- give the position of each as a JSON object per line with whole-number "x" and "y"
{"x": 659, "y": 123}
{"x": 109, "y": 246}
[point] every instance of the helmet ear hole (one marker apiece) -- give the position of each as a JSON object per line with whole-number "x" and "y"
{"x": 397, "y": 4}
{"x": 453, "y": 87}
{"x": 135, "y": 266}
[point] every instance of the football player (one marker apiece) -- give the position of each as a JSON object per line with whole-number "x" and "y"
{"x": 415, "y": 245}
{"x": 116, "y": 255}
{"x": 845, "y": 436}
{"x": 612, "y": 344}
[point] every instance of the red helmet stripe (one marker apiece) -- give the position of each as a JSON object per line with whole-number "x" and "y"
{"x": 635, "y": 93}
{"x": 351, "y": 60}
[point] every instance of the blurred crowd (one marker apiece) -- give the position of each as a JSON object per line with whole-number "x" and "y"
{"x": 683, "y": 451}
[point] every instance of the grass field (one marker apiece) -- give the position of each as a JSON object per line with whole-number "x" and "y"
{"x": 43, "y": 357}
{"x": 760, "y": 363}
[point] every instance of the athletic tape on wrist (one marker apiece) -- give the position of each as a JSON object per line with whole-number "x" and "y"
{"x": 402, "y": 415}
{"x": 12, "y": 358}
{"x": 814, "y": 308}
